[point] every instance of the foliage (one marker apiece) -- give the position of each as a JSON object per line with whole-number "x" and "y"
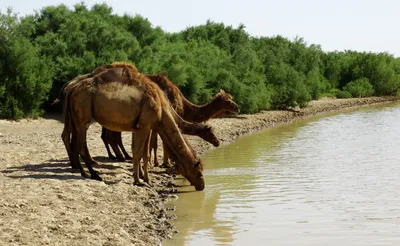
{"x": 341, "y": 94}
{"x": 25, "y": 75}
{"x": 41, "y": 52}
{"x": 360, "y": 88}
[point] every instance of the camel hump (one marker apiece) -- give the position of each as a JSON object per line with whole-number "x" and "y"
{"x": 125, "y": 65}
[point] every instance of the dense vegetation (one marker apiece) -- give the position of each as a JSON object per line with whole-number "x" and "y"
{"x": 40, "y": 52}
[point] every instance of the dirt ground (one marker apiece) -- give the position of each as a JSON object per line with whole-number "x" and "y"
{"x": 42, "y": 201}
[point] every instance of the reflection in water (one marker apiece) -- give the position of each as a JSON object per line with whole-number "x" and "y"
{"x": 331, "y": 180}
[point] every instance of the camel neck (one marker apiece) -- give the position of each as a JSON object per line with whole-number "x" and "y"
{"x": 199, "y": 113}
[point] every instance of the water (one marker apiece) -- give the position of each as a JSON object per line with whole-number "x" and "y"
{"x": 331, "y": 180}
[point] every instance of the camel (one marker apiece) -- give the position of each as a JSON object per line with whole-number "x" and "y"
{"x": 122, "y": 99}
{"x": 220, "y": 104}
{"x": 203, "y": 131}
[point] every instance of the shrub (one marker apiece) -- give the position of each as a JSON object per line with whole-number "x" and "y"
{"x": 342, "y": 94}
{"x": 25, "y": 75}
{"x": 360, "y": 88}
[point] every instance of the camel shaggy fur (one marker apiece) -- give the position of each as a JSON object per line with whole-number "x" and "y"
{"x": 122, "y": 99}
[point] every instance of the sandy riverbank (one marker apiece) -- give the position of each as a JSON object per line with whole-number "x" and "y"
{"x": 43, "y": 202}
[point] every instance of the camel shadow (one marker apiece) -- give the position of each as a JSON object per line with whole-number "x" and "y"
{"x": 51, "y": 169}
{"x": 159, "y": 172}
{"x": 46, "y": 170}
{"x": 42, "y": 167}
{"x": 104, "y": 159}
{"x": 54, "y": 116}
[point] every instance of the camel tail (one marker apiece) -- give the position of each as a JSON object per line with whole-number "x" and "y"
{"x": 135, "y": 124}
{"x": 57, "y": 100}
{"x": 68, "y": 120}
{"x": 67, "y": 113}
{"x": 61, "y": 93}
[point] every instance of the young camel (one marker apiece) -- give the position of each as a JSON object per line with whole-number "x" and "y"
{"x": 126, "y": 103}
{"x": 221, "y": 103}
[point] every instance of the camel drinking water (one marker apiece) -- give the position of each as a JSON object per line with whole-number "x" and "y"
{"x": 221, "y": 103}
{"x": 126, "y": 103}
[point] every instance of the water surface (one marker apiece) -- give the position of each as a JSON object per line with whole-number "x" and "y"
{"x": 328, "y": 180}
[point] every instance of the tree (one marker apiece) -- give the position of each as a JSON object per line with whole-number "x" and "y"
{"x": 25, "y": 75}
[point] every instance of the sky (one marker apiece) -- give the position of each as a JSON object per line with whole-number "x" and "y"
{"x": 362, "y": 25}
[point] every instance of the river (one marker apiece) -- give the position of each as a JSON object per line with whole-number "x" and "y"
{"x": 327, "y": 180}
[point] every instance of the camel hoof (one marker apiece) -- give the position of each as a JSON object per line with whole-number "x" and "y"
{"x": 74, "y": 166}
{"x": 96, "y": 177}
{"x": 95, "y": 163}
{"x": 165, "y": 165}
{"x": 140, "y": 183}
{"x": 85, "y": 175}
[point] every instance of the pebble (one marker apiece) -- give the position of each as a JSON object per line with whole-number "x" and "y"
{"x": 173, "y": 196}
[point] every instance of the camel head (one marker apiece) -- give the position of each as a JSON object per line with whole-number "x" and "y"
{"x": 193, "y": 172}
{"x": 207, "y": 133}
{"x": 225, "y": 102}
{"x": 195, "y": 175}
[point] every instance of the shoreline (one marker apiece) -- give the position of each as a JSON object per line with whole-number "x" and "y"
{"x": 45, "y": 202}
{"x": 229, "y": 129}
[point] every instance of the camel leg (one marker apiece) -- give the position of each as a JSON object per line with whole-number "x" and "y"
{"x": 113, "y": 137}
{"x": 84, "y": 152}
{"x": 66, "y": 137}
{"x": 154, "y": 147}
{"x": 118, "y": 141}
{"x": 75, "y": 156}
{"x": 166, "y": 162}
{"x": 146, "y": 159}
{"x": 105, "y": 141}
{"x": 138, "y": 145}
{"x": 108, "y": 138}
{"x": 71, "y": 143}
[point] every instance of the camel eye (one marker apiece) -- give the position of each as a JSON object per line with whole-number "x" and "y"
{"x": 197, "y": 164}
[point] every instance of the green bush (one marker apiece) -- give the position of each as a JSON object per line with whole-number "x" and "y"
{"x": 40, "y": 52}
{"x": 25, "y": 75}
{"x": 343, "y": 94}
{"x": 359, "y": 88}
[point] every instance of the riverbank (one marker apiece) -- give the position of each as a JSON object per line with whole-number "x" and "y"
{"x": 43, "y": 202}
{"x": 229, "y": 129}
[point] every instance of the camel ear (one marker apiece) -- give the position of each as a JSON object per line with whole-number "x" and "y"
{"x": 221, "y": 91}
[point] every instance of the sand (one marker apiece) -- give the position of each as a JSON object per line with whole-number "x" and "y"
{"x": 43, "y": 201}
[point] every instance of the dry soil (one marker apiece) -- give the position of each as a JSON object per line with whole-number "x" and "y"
{"x": 43, "y": 201}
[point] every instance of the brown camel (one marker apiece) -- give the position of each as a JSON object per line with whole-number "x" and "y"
{"x": 221, "y": 103}
{"x": 122, "y": 99}
{"x": 203, "y": 131}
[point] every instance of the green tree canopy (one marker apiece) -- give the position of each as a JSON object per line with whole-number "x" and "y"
{"x": 42, "y": 51}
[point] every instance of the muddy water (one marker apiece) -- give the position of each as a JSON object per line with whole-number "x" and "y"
{"x": 331, "y": 180}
